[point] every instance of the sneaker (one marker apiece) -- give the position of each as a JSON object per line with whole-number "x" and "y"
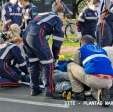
{"x": 105, "y": 97}
{"x": 35, "y": 92}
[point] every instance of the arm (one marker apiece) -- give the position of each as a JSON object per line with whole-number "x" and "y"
{"x": 19, "y": 60}
{"x": 81, "y": 20}
{"x": 77, "y": 57}
{"x": 58, "y": 38}
{"x": 34, "y": 11}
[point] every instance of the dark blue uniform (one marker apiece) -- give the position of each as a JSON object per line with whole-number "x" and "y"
{"x": 37, "y": 47}
{"x": 87, "y": 22}
{"x": 28, "y": 13}
{"x": 12, "y": 64}
{"x": 11, "y": 13}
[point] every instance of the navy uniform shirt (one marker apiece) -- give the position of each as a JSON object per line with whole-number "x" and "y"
{"x": 88, "y": 21}
{"x": 51, "y": 24}
{"x": 11, "y": 13}
{"x": 11, "y": 54}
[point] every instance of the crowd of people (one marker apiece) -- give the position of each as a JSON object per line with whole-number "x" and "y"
{"x": 25, "y": 52}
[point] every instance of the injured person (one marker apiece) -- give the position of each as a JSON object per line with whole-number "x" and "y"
{"x": 92, "y": 68}
{"x": 13, "y": 67}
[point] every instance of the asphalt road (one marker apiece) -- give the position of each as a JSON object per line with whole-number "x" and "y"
{"x": 19, "y": 100}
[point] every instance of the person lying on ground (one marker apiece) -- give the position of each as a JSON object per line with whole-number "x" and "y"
{"x": 12, "y": 64}
{"x": 92, "y": 68}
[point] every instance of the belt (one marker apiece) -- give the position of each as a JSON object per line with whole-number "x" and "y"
{"x": 103, "y": 76}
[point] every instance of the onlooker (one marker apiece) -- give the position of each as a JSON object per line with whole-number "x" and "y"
{"x": 38, "y": 50}
{"x": 109, "y": 50}
{"x": 12, "y": 64}
{"x": 96, "y": 73}
{"x": 105, "y": 27}
{"x": 11, "y": 13}
{"x": 88, "y": 19}
{"x": 103, "y": 4}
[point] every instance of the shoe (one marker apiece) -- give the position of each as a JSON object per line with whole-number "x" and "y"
{"x": 88, "y": 93}
{"x": 25, "y": 78}
{"x": 48, "y": 94}
{"x": 105, "y": 97}
{"x": 79, "y": 96}
{"x": 35, "y": 92}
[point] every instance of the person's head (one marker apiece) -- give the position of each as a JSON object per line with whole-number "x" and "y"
{"x": 58, "y": 7}
{"x": 87, "y": 39}
{"x": 94, "y": 3}
{"x": 14, "y": 34}
{"x": 13, "y": 1}
{"x": 24, "y": 2}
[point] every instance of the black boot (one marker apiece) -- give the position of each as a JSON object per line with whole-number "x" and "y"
{"x": 25, "y": 78}
{"x": 36, "y": 91}
{"x": 79, "y": 96}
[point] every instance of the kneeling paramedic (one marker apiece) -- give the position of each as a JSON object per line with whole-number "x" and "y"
{"x": 12, "y": 64}
{"x": 97, "y": 71}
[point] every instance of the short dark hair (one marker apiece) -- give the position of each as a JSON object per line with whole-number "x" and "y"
{"x": 88, "y": 39}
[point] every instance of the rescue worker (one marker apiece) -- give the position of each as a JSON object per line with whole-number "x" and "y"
{"x": 11, "y": 13}
{"x": 66, "y": 9}
{"x": 88, "y": 19}
{"x": 29, "y": 11}
{"x": 12, "y": 64}
{"x": 38, "y": 50}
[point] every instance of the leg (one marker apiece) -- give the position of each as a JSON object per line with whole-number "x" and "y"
{"x": 76, "y": 76}
{"x": 34, "y": 70}
{"x": 78, "y": 73}
{"x": 39, "y": 48}
{"x": 49, "y": 78}
{"x": 9, "y": 73}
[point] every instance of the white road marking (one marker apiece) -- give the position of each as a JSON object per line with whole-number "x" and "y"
{"x": 45, "y": 104}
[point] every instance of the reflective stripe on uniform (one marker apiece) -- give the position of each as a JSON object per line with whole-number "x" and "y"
{"x": 94, "y": 56}
{"x": 6, "y": 51}
{"x": 91, "y": 18}
{"x": 46, "y": 19}
{"x": 81, "y": 20}
{"x": 21, "y": 65}
{"x": 8, "y": 21}
{"x": 12, "y": 62}
{"x": 33, "y": 59}
{"x": 46, "y": 61}
{"x": 103, "y": 76}
{"x": 58, "y": 38}
{"x": 15, "y": 14}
